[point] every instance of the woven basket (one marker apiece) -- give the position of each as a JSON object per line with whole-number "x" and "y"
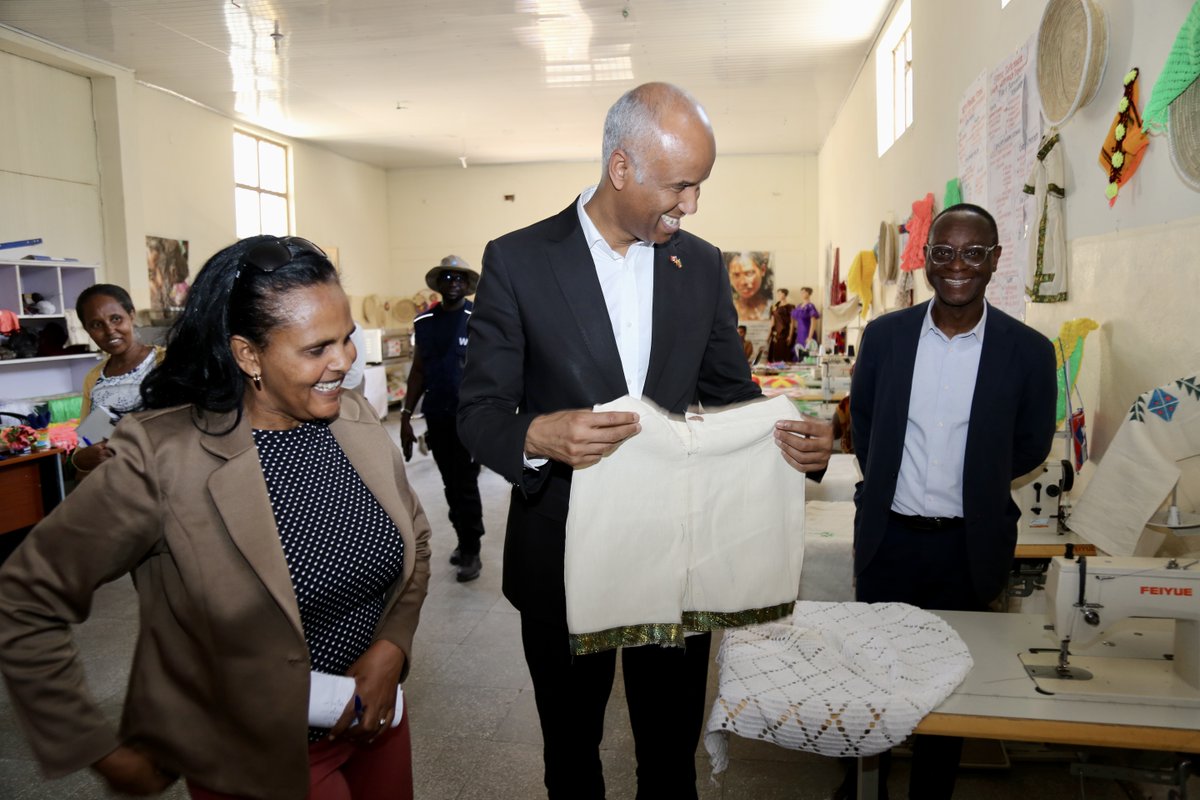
{"x": 1183, "y": 134}
{"x": 1071, "y": 55}
{"x": 887, "y": 246}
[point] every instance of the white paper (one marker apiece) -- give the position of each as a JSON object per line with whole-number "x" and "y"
{"x": 328, "y": 696}
{"x": 96, "y": 427}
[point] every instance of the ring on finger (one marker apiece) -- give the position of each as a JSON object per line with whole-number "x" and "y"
{"x": 382, "y": 721}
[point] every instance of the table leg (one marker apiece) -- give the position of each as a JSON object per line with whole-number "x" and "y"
{"x": 868, "y": 777}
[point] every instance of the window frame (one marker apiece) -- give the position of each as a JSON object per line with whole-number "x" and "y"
{"x": 894, "y": 79}
{"x": 258, "y": 189}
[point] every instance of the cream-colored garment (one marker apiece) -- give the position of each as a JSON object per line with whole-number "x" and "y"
{"x": 700, "y": 514}
{"x": 1153, "y": 451}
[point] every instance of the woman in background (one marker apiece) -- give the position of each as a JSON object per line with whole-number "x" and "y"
{"x": 115, "y": 384}
{"x": 804, "y": 315}
{"x": 270, "y": 530}
{"x": 782, "y": 329}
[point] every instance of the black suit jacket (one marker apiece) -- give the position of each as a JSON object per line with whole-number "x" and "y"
{"x": 1010, "y": 432}
{"x": 540, "y": 341}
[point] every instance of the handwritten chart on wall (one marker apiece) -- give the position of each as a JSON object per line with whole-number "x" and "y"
{"x": 999, "y": 124}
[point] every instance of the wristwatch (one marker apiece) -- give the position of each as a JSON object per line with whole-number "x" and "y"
{"x": 407, "y": 412}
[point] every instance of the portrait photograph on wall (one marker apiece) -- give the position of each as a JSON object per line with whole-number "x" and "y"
{"x": 751, "y": 280}
{"x": 167, "y": 264}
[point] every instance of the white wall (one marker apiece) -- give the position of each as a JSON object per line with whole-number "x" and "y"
{"x": 749, "y": 202}
{"x": 1149, "y": 330}
{"x": 187, "y": 178}
{"x": 49, "y": 177}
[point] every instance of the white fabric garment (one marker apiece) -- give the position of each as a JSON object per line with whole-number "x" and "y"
{"x": 1046, "y": 278}
{"x": 841, "y": 315}
{"x": 842, "y": 679}
{"x": 690, "y": 515}
{"x": 1153, "y": 448}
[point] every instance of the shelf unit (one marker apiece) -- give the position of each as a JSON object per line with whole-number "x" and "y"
{"x": 59, "y": 282}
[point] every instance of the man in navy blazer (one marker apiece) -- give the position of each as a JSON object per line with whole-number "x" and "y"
{"x": 950, "y": 401}
{"x": 607, "y": 298}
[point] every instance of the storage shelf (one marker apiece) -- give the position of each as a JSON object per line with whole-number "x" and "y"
{"x": 13, "y": 362}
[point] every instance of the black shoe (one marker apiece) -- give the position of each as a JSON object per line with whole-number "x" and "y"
{"x": 468, "y": 567}
{"x": 456, "y": 557}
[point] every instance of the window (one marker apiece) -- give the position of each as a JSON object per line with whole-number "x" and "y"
{"x": 894, "y": 79}
{"x": 261, "y": 177}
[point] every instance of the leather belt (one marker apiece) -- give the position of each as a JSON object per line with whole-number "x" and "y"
{"x": 926, "y": 523}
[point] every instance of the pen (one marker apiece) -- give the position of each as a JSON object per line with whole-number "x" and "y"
{"x": 86, "y": 443}
{"x": 358, "y": 708}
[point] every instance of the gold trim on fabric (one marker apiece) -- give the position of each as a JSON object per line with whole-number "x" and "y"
{"x": 669, "y": 634}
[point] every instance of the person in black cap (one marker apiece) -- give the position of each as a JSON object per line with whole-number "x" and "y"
{"x": 437, "y": 370}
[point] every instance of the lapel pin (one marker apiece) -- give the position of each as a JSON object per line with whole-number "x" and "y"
{"x": 675, "y": 260}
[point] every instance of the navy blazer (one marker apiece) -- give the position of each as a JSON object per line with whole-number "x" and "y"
{"x": 1010, "y": 432}
{"x": 540, "y": 340}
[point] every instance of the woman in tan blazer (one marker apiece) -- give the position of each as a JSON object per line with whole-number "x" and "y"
{"x": 270, "y": 530}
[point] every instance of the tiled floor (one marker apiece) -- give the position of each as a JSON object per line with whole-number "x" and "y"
{"x": 474, "y": 724}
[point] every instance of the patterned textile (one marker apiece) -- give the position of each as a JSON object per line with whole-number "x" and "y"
{"x": 1153, "y": 449}
{"x": 843, "y": 679}
{"x": 671, "y": 532}
{"x": 1178, "y": 73}
{"x": 1046, "y": 281}
{"x": 1126, "y": 143}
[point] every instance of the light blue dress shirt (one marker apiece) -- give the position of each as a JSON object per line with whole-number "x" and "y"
{"x": 939, "y": 412}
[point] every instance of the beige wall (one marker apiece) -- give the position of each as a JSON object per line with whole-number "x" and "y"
{"x": 1128, "y": 268}
{"x": 97, "y": 162}
{"x": 187, "y": 175}
{"x": 758, "y": 202}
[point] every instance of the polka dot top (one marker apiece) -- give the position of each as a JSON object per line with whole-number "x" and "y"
{"x": 342, "y": 549}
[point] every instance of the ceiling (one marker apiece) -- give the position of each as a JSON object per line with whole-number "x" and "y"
{"x": 416, "y": 83}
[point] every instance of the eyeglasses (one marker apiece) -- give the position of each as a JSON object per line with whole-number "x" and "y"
{"x": 973, "y": 255}
{"x": 270, "y": 256}
{"x": 452, "y": 277}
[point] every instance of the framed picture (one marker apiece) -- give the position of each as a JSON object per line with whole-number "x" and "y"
{"x": 167, "y": 264}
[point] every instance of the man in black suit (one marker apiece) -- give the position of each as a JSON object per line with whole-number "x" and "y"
{"x": 950, "y": 401}
{"x": 604, "y": 299}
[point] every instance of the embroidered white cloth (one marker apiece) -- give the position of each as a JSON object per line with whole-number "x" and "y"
{"x": 694, "y": 523}
{"x": 842, "y": 679}
{"x": 1153, "y": 449}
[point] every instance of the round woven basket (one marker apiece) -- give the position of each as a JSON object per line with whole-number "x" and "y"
{"x": 1183, "y": 134}
{"x": 1071, "y": 55}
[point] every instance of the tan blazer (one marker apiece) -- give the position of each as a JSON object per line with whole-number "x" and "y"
{"x": 219, "y": 686}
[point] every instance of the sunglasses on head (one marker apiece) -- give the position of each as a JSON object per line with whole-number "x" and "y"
{"x": 270, "y": 256}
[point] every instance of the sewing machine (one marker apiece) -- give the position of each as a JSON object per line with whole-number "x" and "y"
{"x": 1046, "y": 496}
{"x": 1127, "y": 606}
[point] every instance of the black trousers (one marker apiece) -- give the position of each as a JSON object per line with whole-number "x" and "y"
{"x": 664, "y": 688}
{"x": 460, "y": 480}
{"x": 927, "y": 569}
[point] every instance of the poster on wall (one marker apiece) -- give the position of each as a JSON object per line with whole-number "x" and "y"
{"x": 167, "y": 265}
{"x": 999, "y": 126}
{"x": 752, "y": 281}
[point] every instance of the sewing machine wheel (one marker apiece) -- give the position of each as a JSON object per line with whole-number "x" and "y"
{"x": 1068, "y": 476}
